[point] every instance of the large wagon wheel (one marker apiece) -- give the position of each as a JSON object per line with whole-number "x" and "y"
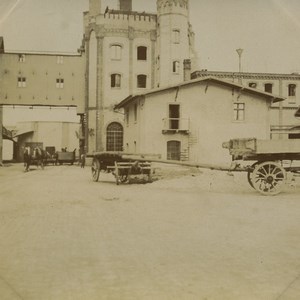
{"x": 268, "y": 178}
{"x": 250, "y": 174}
{"x": 95, "y": 169}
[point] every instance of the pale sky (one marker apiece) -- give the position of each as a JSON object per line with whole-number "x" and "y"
{"x": 267, "y": 30}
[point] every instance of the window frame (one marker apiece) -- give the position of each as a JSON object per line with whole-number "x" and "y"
{"x": 60, "y": 83}
{"x": 270, "y": 85}
{"x": 21, "y": 82}
{"x": 176, "y": 67}
{"x": 292, "y": 90}
{"x": 176, "y": 36}
{"x": 115, "y": 80}
{"x": 116, "y": 54}
{"x": 239, "y": 107}
{"x": 141, "y": 81}
{"x": 21, "y": 58}
{"x": 142, "y": 55}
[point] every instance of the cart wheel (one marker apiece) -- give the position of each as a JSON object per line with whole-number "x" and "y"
{"x": 95, "y": 169}
{"x": 250, "y": 174}
{"x": 268, "y": 178}
{"x": 123, "y": 178}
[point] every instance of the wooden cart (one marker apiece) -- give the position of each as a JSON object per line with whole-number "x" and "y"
{"x": 271, "y": 160}
{"x": 122, "y": 165}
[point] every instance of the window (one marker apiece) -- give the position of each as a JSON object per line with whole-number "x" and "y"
{"x": 292, "y": 90}
{"x": 114, "y": 137}
{"x": 115, "y": 80}
{"x": 239, "y": 111}
{"x": 141, "y": 81}
{"x": 116, "y": 52}
{"x": 252, "y": 85}
{"x": 176, "y": 65}
{"x": 21, "y": 82}
{"x": 142, "y": 53}
{"x": 21, "y": 57}
{"x": 135, "y": 112}
{"x": 174, "y": 115}
{"x": 60, "y": 59}
{"x": 176, "y": 36}
{"x": 59, "y": 83}
{"x": 268, "y": 87}
{"x": 173, "y": 150}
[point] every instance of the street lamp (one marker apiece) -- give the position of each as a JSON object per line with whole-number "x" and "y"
{"x": 239, "y": 52}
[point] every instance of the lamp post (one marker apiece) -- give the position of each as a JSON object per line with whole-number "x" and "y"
{"x": 239, "y": 52}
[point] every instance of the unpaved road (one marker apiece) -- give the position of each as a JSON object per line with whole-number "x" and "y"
{"x": 191, "y": 235}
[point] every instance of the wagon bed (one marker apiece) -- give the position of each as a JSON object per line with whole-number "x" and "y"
{"x": 273, "y": 159}
{"x": 122, "y": 165}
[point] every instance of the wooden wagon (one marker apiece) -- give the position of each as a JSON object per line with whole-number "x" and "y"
{"x": 123, "y": 166}
{"x": 271, "y": 160}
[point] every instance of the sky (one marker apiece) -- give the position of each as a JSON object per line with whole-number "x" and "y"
{"x": 268, "y": 31}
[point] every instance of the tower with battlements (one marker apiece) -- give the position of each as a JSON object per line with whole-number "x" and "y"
{"x": 129, "y": 52}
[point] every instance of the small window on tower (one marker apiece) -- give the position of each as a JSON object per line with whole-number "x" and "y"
{"x": 142, "y": 53}
{"x": 176, "y": 65}
{"x": 116, "y": 52}
{"x": 115, "y": 80}
{"x": 176, "y": 36}
{"x": 141, "y": 81}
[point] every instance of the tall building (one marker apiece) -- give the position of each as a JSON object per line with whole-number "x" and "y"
{"x": 128, "y": 52}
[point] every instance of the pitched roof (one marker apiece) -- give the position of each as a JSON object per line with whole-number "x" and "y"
{"x": 240, "y": 87}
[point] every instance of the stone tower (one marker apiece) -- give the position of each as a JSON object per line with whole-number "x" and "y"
{"x": 173, "y": 40}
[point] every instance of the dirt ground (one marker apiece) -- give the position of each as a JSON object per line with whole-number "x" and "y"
{"x": 191, "y": 234}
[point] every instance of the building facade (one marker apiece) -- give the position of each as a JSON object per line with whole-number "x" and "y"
{"x": 129, "y": 52}
{"x": 43, "y": 79}
{"x": 191, "y": 120}
{"x": 283, "y": 123}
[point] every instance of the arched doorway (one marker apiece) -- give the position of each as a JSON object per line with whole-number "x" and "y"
{"x": 173, "y": 150}
{"x": 114, "y": 137}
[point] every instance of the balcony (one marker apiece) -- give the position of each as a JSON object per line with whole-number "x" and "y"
{"x": 176, "y": 125}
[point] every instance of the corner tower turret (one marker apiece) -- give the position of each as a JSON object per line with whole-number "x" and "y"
{"x": 173, "y": 40}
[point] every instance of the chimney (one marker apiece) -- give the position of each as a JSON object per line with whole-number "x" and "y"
{"x": 125, "y": 5}
{"x": 94, "y": 7}
{"x": 187, "y": 69}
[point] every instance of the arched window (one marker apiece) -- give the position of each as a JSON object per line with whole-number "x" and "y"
{"x": 176, "y": 36}
{"x": 142, "y": 53}
{"x": 176, "y": 65}
{"x": 116, "y": 52}
{"x": 114, "y": 137}
{"x": 173, "y": 150}
{"x": 115, "y": 80}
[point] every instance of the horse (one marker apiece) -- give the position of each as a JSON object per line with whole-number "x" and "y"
{"x": 35, "y": 156}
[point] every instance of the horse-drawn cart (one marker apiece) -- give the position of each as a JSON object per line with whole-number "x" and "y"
{"x": 272, "y": 161}
{"x": 123, "y": 166}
